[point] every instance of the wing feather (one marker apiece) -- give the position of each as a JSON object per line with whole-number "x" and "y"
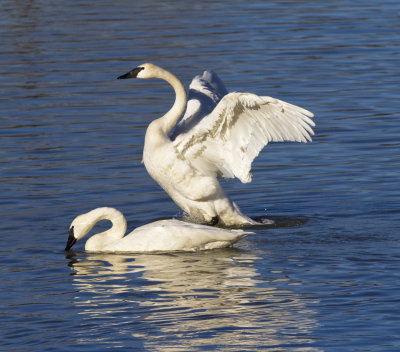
{"x": 205, "y": 92}
{"x": 226, "y": 141}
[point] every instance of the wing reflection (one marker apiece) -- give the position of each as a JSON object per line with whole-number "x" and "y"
{"x": 176, "y": 302}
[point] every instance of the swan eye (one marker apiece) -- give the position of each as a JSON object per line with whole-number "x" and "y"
{"x": 131, "y": 74}
{"x": 71, "y": 231}
{"x": 138, "y": 69}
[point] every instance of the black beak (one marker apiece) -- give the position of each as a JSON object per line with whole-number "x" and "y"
{"x": 131, "y": 74}
{"x": 71, "y": 239}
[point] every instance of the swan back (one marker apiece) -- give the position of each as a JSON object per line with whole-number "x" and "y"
{"x": 176, "y": 235}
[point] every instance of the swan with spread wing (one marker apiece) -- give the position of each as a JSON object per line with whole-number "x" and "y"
{"x": 219, "y": 136}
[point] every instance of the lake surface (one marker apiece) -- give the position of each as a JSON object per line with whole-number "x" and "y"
{"x": 326, "y": 277}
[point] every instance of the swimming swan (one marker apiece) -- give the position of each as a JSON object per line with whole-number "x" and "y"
{"x": 219, "y": 135}
{"x": 162, "y": 235}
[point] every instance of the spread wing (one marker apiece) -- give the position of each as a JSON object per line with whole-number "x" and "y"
{"x": 226, "y": 141}
{"x": 205, "y": 92}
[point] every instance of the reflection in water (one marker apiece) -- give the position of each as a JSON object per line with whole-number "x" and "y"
{"x": 181, "y": 301}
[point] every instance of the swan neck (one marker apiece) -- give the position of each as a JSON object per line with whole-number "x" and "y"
{"x": 169, "y": 120}
{"x": 116, "y": 232}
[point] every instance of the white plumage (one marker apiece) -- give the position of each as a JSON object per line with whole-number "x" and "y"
{"x": 219, "y": 136}
{"x": 162, "y": 235}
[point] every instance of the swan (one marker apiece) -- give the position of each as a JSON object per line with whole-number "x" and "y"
{"x": 219, "y": 136}
{"x": 162, "y": 235}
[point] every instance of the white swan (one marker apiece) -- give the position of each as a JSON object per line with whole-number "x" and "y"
{"x": 162, "y": 235}
{"x": 219, "y": 135}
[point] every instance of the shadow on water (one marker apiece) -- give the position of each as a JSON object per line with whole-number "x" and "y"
{"x": 280, "y": 221}
{"x": 266, "y": 222}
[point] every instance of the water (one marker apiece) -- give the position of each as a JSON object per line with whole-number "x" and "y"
{"x": 325, "y": 278}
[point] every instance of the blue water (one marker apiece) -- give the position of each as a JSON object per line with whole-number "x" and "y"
{"x": 325, "y": 278}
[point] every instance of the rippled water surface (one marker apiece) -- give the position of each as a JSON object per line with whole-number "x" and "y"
{"x": 324, "y": 278}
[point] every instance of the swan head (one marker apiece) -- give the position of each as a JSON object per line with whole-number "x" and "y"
{"x": 143, "y": 71}
{"x": 79, "y": 228}
{"x": 83, "y": 223}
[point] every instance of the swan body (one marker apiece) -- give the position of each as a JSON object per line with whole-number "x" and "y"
{"x": 219, "y": 136}
{"x": 162, "y": 235}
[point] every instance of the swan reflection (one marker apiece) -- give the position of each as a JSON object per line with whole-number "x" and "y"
{"x": 176, "y": 302}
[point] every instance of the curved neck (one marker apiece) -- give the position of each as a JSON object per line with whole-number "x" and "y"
{"x": 169, "y": 120}
{"x": 116, "y": 232}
